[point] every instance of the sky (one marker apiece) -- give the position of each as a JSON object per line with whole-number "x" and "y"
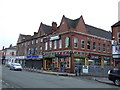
{"x": 24, "y": 16}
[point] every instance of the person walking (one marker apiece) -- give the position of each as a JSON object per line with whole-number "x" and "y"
{"x": 76, "y": 70}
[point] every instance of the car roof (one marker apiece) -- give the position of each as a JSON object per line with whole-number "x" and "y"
{"x": 15, "y": 63}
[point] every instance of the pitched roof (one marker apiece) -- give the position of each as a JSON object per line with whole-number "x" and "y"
{"x": 98, "y": 32}
{"x": 72, "y": 23}
{"x": 47, "y": 29}
{"x": 116, "y": 24}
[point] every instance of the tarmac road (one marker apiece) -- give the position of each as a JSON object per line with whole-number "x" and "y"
{"x": 25, "y": 79}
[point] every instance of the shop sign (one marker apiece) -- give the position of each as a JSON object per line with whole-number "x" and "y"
{"x": 114, "y": 42}
{"x": 115, "y": 49}
{"x": 79, "y": 55}
{"x": 95, "y": 57}
{"x": 106, "y": 58}
{"x": 55, "y": 37}
{"x": 34, "y": 56}
{"x": 85, "y": 69}
{"x": 47, "y": 56}
{"x": 62, "y": 55}
{"x": 116, "y": 56}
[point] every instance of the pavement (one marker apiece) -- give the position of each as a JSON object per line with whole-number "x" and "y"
{"x": 99, "y": 79}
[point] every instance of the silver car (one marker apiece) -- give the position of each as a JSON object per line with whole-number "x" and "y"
{"x": 15, "y": 66}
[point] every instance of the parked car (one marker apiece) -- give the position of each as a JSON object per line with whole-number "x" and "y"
{"x": 15, "y": 66}
{"x": 114, "y": 75}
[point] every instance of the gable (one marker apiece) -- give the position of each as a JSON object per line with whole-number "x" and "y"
{"x": 63, "y": 25}
{"x": 81, "y": 27}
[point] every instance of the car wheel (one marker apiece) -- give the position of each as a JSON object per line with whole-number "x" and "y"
{"x": 117, "y": 82}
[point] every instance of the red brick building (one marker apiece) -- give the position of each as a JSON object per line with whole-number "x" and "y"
{"x": 75, "y": 43}
{"x": 116, "y": 43}
{"x": 70, "y": 44}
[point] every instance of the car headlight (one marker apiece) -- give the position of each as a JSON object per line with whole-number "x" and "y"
{"x": 109, "y": 72}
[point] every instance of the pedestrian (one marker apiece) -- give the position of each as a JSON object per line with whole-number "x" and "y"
{"x": 76, "y": 70}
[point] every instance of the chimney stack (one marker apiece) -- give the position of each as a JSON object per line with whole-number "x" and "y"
{"x": 54, "y": 26}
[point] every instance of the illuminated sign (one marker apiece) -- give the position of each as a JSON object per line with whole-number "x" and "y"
{"x": 55, "y": 37}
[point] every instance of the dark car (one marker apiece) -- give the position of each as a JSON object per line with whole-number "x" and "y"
{"x": 114, "y": 75}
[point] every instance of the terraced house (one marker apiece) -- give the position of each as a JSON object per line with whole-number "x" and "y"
{"x": 61, "y": 48}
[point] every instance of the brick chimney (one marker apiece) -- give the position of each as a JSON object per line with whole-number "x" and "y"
{"x": 54, "y": 26}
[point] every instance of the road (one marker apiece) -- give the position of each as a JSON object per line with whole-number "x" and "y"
{"x": 25, "y": 79}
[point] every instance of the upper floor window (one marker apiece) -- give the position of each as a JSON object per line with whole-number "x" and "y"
{"x": 82, "y": 44}
{"x": 36, "y": 41}
{"x": 99, "y": 46}
{"x": 46, "y": 45}
{"x": 50, "y": 44}
{"x": 94, "y": 46}
{"x": 75, "y": 42}
{"x": 55, "y": 44}
{"x": 60, "y": 43}
{"x": 67, "y": 42}
{"x": 104, "y": 47}
{"x": 88, "y": 45}
{"x": 108, "y": 48}
{"x": 118, "y": 37}
{"x": 32, "y": 42}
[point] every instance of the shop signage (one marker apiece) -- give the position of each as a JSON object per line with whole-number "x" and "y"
{"x": 115, "y": 49}
{"x": 95, "y": 57}
{"x": 85, "y": 69}
{"x": 62, "y": 55}
{"x": 79, "y": 55}
{"x": 114, "y": 42}
{"x": 55, "y": 37}
{"x": 50, "y": 55}
{"x": 106, "y": 58}
{"x": 116, "y": 56}
{"x": 34, "y": 56}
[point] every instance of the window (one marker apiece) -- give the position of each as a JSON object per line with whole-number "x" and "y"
{"x": 82, "y": 44}
{"x": 119, "y": 38}
{"x": 36, "y": 41}
{"x": 88, "y": 45}
{"x": 32, "y": 42}
{"x": 50, "y": 44}
{"x": 104, "y": 47}
{"x": 67, "y": 42}
{"x": 94, "y": 46}
{"x": 46, "y": 45}
{"x": 99, "y": 47}
{"x": 60, "y": 43}
{"x": 55, "y": 44}
{"x": 75, "y": 42}
{"x": 108, "y": 48}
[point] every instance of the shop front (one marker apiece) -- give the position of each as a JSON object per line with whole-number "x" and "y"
{"x": 107, "y": 61}
{"x": 34, "y": 61}
{"x": 48, "y": 61}
{"x": 95, "y": 60}
{"x": 79, "y": 59}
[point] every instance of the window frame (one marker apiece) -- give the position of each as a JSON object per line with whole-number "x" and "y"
{"x": 75, "y": 42}
{"x": 82, "y": 44}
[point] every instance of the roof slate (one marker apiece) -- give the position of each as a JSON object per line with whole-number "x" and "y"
{"x": 99, "y": 32}
{"x": 47, "y": 29}
{"x": 116, "y": 24}
{"x": 72, "y": 23}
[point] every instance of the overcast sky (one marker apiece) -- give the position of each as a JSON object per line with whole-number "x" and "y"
{"x": 25, "y": 16}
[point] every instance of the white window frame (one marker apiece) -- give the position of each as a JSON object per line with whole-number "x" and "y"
{"x": 55, "y": 44}
{"x": 99, "y": 46}
{"x": 82, "y": 44}
{"x": 75, "y": 42}
{"x": 60, "y": 43}
{"x": 46, "y": 45}
{"x": 94, "y": 46}
{"x": 50, "y": 44}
